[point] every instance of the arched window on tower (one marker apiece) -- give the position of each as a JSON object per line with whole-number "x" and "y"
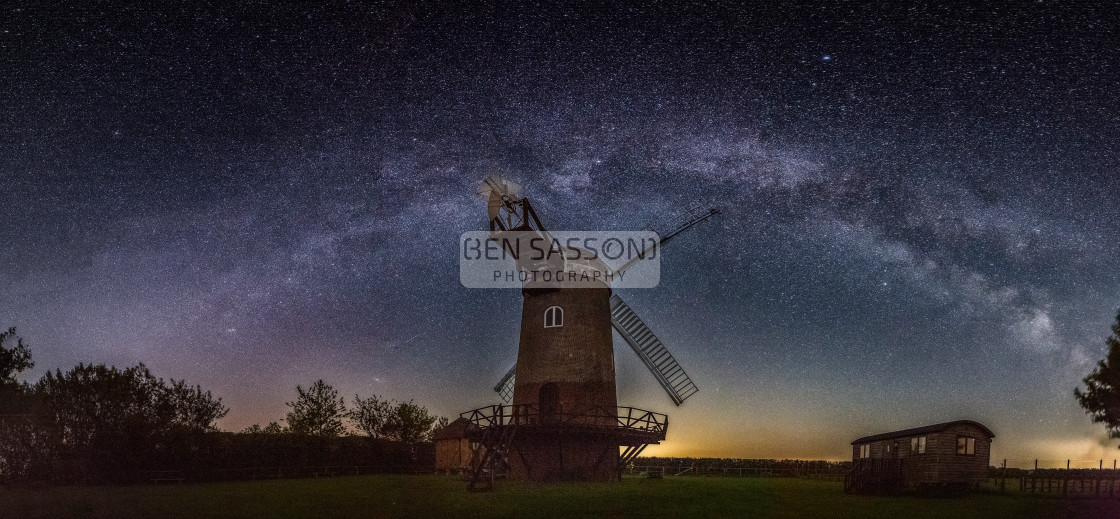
{"x": 554, "y": 317}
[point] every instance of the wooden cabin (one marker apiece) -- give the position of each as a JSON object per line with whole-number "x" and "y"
{"x": 950, "y": 456}
{"x": 453, "y": 446}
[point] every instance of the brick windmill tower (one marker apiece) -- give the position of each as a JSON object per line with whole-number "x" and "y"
{"x": 564, "y": 421}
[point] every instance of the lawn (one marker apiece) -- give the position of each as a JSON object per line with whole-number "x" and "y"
{"x": 444, "y": 497}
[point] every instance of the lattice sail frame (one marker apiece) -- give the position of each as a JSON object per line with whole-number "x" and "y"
{"x": 672, "y": 377}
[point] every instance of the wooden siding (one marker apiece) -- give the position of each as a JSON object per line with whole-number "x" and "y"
{"x": 453, "y": 455}
{"x": 940, "y": 464}
{"x": 953, "y": 467}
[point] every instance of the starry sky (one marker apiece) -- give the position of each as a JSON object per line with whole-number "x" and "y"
{"x": 919, "y": 203}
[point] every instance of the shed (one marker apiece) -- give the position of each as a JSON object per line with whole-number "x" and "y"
{"x": 453, "y": 446}
{"x": 950, "y": 456}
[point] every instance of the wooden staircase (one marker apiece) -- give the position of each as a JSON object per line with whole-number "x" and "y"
{"x": 495, "y": 443}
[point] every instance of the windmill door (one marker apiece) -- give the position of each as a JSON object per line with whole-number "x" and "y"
{"x": 549, "y": 401}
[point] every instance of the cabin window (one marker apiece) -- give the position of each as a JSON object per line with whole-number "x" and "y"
{"x": 918, "y": 445}
{"x": 966, "y": 445}
{"x": 554, "y": 317}
{"x": 865, "y": 450}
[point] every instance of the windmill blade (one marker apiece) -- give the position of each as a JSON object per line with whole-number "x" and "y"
{"x": 507, "y": 211}
{"x": 501, "y": 201}
{"x": 653, "y": 353}
{"x": 693, "y": 216}
{"x": 504, "y": 387}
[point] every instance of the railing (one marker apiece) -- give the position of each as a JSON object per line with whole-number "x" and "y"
{"x": 1065, "y": 477}
{"x": 824, "y": 470}
{"x": 875, "y": 475}
{"x": 630, "y": 418}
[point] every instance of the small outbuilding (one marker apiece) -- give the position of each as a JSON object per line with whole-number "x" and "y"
{"x": 944, "y": 457}
{"x": 453, "y": 446}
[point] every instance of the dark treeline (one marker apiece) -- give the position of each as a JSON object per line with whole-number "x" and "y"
{"x": 744, "y": 466}
{"x": 99, "y": 424}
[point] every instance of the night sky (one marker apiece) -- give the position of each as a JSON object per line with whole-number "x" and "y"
{"x": 920, "y": 205}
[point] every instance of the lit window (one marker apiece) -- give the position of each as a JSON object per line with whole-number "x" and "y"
{"x": 554, "y": 317}
{"x": 918, "y": 445}
{"x": 865, "y": 450}
{"x": 966, "y": 445}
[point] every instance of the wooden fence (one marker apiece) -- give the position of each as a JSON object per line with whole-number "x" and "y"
{"x": 1100, "y": 481}
{"x": 828, "y": 470}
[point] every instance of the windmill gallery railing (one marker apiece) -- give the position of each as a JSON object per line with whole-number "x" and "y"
{"x": 496, "y": 426}
{"x": 629, "y": 419}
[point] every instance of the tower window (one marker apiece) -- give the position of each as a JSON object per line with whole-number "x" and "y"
{"x": 554, "y": 317}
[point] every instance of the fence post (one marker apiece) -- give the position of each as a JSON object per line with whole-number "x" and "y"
{"x": 1065, "y": 483}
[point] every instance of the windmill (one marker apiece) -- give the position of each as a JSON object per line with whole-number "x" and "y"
{"x": 564, "y": 421}
{"x": 652, "y": 352}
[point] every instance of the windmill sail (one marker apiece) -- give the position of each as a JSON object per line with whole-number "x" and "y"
{"x": 693, "y": 216}
{"x": 652, "y": 352}
{"x": 504, "y": 387}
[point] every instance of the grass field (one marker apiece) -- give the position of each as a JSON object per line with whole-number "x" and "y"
{"x": 444, "y": 497}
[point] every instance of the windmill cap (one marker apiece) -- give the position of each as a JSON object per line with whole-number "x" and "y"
{"x": 572, "y": 267}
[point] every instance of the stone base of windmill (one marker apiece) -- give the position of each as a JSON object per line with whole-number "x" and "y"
{"x": 548, "y": 454}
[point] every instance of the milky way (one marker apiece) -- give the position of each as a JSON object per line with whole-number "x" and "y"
{"x": 919, "y": 215}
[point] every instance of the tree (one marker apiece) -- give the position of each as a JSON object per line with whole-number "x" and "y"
{"x": 318, "y": 411}
{"x": 271, "y": 428}
{"x": 410, "y": 424}
{"x": 108, "y": 423}
{"x": 24, "y": 445}
{"x": 99, "y": 406}
{"x": 15, "y": 398}
{"x": 14, "y": 359}
{"x": 405, "y": 422}
{"x": 1101, "y": 398}
{"x": 189, "y": 407}
{"x": 371, "y": 415}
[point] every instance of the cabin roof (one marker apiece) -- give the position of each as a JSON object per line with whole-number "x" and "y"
{"x": 457, "y": 429}
{"x": 926, "y": 429}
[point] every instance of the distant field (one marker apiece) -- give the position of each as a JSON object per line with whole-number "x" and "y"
{"x": 444, "y": 497}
